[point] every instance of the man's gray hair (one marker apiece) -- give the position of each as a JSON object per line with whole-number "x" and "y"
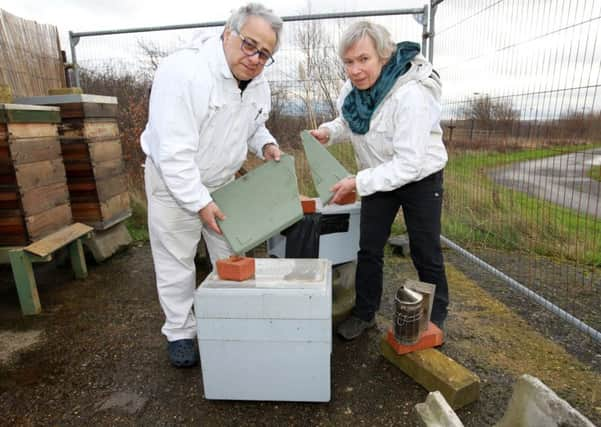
{"x": 239, "y": 17}
{"x": 379, "y": 35}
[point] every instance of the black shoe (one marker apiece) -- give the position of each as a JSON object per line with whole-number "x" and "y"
{"x": 353, "y": 327}
{"x": 183, "y": 353}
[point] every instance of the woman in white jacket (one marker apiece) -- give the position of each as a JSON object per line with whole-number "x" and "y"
{"x": 390, "y": 110}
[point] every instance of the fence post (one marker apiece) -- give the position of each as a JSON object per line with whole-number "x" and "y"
{"x": 73, "y": 40}
{"x": 425, "y": 34}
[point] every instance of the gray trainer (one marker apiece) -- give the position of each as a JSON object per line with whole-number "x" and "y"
{"x": 352, "y": 327}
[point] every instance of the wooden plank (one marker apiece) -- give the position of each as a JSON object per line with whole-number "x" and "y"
{"x": 88, "y": 212}
{"x": 31, "y": 130}
{"x": 75, "y": 151}
{"x": 114, "y": 206}
{"x": 90, "y": 128}
{"x": 108, "y": 168}
{"x": 3, "y": 132}
{"x": 13, "y": 239}
{"x": 9, "y": 200}
{"x": 58, "y": 239}
{"x": 24, "y": 114}
{"x": 39, "y": 174}
{"x": 88, "y": 110}
{"x": 435, "y": 371}
{"x": 79, "y": 169}
{"x": 78, "y": 197}
{"x": 37, "y": 200}
{"x": 110, "y": 187}
{"x": 12, "y": 231}
{"x": 105, "y": 151}
{"x": 49, "y": 221}
{"x": 9, "y": 180}
{"x": 27, "y": 150}
{"x": 81, "y": 185}
{"x": 105, "y": 225}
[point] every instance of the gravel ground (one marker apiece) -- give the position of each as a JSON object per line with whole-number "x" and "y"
{"x": 96, "y": 356}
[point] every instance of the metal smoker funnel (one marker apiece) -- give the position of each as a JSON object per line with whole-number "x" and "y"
{"x": 407, "y": 315}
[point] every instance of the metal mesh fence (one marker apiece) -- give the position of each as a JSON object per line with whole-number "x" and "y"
{"x": 521, "y": 119}
{"x": 305, "y": 80}
{"x": 521, "y": 114}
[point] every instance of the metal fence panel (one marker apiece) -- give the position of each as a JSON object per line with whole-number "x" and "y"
{"x": 522, "y": 119}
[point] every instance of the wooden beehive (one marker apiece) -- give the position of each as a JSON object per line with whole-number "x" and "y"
{"x": 91, "y": 149}
{"x": 34, "y": 199}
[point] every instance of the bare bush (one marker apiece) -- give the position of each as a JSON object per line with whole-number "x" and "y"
{"x": 491, "y": 114}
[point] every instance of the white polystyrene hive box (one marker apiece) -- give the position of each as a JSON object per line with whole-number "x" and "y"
{"x": 268, "y": 338}
{"x": 339, "y": 246}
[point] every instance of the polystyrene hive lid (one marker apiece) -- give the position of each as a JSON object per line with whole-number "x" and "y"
{"x": 281, "y": 289}
{"x": 259, "y": 204}
{"x": 332, "y": 209}
{"x": 270, "y": 273}
{"x": 325, "y": 169}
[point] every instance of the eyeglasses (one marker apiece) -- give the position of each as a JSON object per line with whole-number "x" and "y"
{"x": 248, "y": 48}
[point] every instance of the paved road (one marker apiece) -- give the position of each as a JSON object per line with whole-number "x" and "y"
{"x": 560, "y": 179}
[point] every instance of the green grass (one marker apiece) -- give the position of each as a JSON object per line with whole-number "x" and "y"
{"x": 595, "y": 173}
{"x": 477, "y": 212}
{"x": 137, "y": 223}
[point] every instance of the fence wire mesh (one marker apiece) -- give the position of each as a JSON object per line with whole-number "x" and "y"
{"x": 521, "y": 119}
{"x": 305, "y": 80}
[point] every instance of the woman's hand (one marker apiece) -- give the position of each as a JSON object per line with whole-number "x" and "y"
{"x": 342, "y": 189}
{"x": 321, "y": 134}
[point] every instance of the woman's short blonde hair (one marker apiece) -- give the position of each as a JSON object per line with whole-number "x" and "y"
{"x": 379, "y": 35}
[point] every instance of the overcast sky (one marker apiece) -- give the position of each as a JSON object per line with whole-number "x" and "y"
{"x": 87, "y": 15}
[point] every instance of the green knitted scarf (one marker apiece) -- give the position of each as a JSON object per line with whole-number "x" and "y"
{"x": 359, "y": 105}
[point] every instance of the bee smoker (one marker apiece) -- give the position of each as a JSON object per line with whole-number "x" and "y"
{"x": 407, "y": 316}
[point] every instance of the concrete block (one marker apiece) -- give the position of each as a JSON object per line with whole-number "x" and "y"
{"x": 65, "y": 91}
{"x": 106, "y": 243}
{"x": 533, "y": 404}
{"x": 400, "y": 245}
{"x": 435, "y": 371}
{"x": 436, "y": 412}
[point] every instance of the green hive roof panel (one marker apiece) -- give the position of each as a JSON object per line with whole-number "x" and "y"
{"x": 259, "y": 204}
{"x": 325, "y": 169}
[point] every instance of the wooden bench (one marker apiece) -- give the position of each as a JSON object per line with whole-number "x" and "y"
{"x": 21, "y": 259}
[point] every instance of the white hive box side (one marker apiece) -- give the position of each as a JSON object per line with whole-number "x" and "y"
{"x": 269, "y": 338}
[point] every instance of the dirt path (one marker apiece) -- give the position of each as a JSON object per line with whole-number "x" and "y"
{"x": 98, "y": 358}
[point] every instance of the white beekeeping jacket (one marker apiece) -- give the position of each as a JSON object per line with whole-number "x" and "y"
{"x": 200, "y": 125}
{"x": 404, "y": 141}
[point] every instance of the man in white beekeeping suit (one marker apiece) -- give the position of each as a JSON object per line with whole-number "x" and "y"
{"x": 208, "y": 107}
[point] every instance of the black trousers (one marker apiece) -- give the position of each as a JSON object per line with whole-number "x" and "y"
{"x": 422, "y": 204}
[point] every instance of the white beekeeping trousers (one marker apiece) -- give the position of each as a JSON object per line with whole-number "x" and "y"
{"x": 174, "y": 237}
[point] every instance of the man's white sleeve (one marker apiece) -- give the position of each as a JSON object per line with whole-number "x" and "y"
{"x": 178, "y": 106}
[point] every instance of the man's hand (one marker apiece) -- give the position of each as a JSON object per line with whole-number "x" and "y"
{"x": 209, "y": 216}
{"x": 321, "y": 134}
{"x": 271, "y": 152}
{"x": 342, "y": 188}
